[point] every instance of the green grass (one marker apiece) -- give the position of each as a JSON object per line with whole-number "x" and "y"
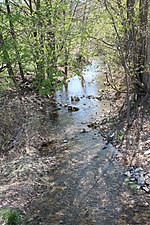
{"x": 10, "y": 216}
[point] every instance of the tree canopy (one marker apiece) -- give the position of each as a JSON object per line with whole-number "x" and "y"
{"x": 47, "y": 39}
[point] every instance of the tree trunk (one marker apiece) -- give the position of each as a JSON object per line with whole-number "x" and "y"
{"x": 146, "y": 74}
{"x": 66, "y": 63}
{"x": 6, "y": 59}
{"x": 131, "y": 37}
{"x": 51, "y": 46}
{"x": 142, "y": 40}
{"x": 14, "y": 40}
{"x": 39, "y": 44}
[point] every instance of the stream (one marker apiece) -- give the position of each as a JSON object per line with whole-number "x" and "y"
{"x": 85, "y": 187}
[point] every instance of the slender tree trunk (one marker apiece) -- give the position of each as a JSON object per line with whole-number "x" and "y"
{"x": 7, "y": 60}
{"x": 14, "y": 40}
{"x": 66, "y": 51}
{"x": 146, "y": 74}
{"x": 145, "y": 44}
{"x": 51, "y": 46}
{"x": 30, "y": 6}
{"x": 131, "y": 36}
{"x": 66, "y": 63}
{"x": 39, "y": 44}
{"x": 143, "y": 22}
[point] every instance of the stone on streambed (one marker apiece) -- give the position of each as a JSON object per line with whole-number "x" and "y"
{"x": 127, "y": 173}
{"x": 147, "y": 181}
{"x": 93, "y": 125}
{"x": 73, "y": 108}
{"x": 140, "y": 177}
{"x": 141, "y": 180}
{"x": 75, "y": 99}
{"x": 83, "y": 131}
{"x": 110, "y": 136}
{"x": 99, "y": 98}
{"x": 94, "y": 97}
{"x": 146, "y": 189}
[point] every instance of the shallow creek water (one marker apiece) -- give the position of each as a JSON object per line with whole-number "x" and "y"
{"x": 86, "y": 187}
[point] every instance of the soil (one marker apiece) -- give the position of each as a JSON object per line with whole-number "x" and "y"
{"x": 133, "y": 142}
{"x": 20, "y": 146}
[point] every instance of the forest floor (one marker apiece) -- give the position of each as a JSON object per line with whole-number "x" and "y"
{"x": 21, "y": 164}
{"x": 133, "y": 143}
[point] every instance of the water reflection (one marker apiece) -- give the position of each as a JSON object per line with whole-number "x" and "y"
{"x": 84, "y": 85}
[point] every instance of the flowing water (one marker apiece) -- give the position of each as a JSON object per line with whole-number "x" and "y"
{"x": 85, "y": 187}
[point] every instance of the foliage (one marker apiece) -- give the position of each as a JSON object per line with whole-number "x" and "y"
{"x": 43, "y": 36}
{"x": 37, "y": 37}
{"x": 11, "y": 216}
{"x": 127, "y": 39}
{"x": 132, "y": 184}
{"x": 120, "y": 135}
